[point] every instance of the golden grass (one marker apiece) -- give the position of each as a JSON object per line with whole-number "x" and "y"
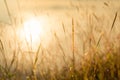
{"x": 100, "y": 61}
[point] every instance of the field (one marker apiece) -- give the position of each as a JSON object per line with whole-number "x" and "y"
{"x": 80, "y": 42}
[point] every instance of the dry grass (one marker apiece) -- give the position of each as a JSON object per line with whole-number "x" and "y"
{"x": 99, "y": 61}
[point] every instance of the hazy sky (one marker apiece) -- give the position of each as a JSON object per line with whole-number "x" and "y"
{"x": 31, "y": 5}
{"x": 43, "y": 5}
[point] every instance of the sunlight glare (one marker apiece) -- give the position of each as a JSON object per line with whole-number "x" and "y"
{"x": 33, "y": 30}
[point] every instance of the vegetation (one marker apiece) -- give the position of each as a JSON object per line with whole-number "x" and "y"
{"x": 98, "y": 60}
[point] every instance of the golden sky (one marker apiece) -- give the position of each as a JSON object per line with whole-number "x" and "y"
{"x": 51, "y": 5}
{"x": 26, "y": 5}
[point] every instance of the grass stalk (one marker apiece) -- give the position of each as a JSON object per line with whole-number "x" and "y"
{"x": 113, "y": 23}
{"x": 73, "y": 50}
{"x": 60, "y": 47}
{"x": 8, "y": 11}
{"x": 2, "y": 50}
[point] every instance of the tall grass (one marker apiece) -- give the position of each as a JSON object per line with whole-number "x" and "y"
{"x": 99, "y": 61}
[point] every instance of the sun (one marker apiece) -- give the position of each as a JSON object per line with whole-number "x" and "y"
{"x": 33, "y": 30}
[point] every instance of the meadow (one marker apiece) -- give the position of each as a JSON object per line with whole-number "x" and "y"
{"x": 83, "y": 44}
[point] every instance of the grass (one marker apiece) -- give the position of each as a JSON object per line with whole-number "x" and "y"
{"x": 98, "y": 61}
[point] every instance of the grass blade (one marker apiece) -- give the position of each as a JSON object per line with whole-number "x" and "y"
{"x": 113, "y": 22}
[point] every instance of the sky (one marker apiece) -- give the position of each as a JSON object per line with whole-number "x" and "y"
{"x": 17, "y": 6}
{"x": 27, "y": 5}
